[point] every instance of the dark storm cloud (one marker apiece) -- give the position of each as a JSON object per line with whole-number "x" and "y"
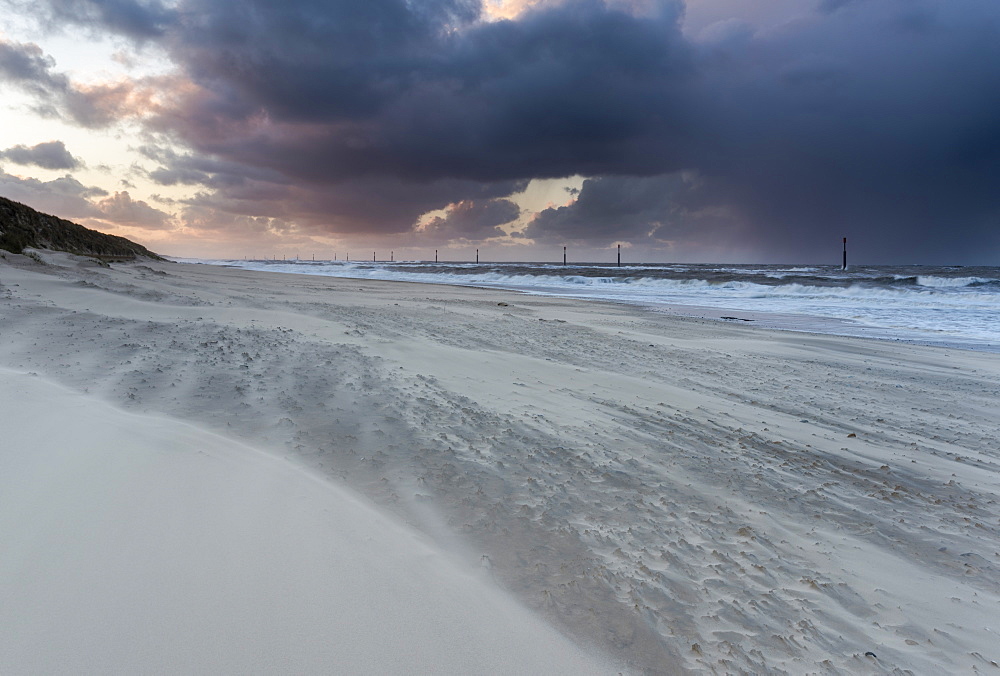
{"x": 421, "y": 91}
{"x": 375, "y": 206}
{"x": 610, "y": 209}
{"x": 392, "y": 205}
{"x": 48, "y": 155}
{"x": 658, "y": 217}
{"x": 472, "y": 219}
{"x": 876, "y": 118}
{"x": 880, "y": 120}
{"x": 186, "y": 169}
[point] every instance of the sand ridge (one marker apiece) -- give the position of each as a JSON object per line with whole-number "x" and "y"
{"x": 140, "y": 544}
{"x": 682, "y": 494}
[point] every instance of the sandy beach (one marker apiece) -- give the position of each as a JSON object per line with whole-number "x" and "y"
{"x": 550, "y": 485}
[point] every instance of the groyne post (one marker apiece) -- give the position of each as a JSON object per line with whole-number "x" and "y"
{"x": 845, "y": 255}
{"x": 619, "y": 255}
{"x": 564, "y": 255}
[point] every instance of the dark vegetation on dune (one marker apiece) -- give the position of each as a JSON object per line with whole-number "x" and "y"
{"x": 22, "y": 227}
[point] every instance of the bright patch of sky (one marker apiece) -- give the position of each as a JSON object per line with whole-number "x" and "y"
{"x": 541, "y": 194}
{"x": 108, "y": 156}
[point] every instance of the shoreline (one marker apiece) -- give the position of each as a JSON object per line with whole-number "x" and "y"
{"x": 681, "y": 494}
{"x": 825, "y": 326}
{"x": 783, "y": 321}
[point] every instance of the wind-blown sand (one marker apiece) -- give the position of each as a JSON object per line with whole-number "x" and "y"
{"x": 676, "y": 494}
{"x": 137, "y": 544}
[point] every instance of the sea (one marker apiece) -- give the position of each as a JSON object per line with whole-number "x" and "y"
{"x": 952, "y": 306}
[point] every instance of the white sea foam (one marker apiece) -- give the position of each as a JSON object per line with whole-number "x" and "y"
{"x": 878, "y": 302}
{"x": 933, "y": 281}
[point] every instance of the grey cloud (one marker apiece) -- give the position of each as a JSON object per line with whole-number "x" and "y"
{"x": 391, "y": 87}
{"x": 639, "y": 210}
{"x": 65, "y": 197}
{"x": 875, "y": 117}
{"x": 833, "y": 5}
{"x": 473, "y": 220}
{"x": 121, "y": 209}
{"x": 179, "y": 176}
{"x": 137, "y": 20}
{"x": 48, "y": 155}
{"x": 379, "y": 207}
{"x": 205, "y": 218}
{"x": 26, "y": 65}
{"x": 187, "y": 169}
{"x": 68, "y": 198}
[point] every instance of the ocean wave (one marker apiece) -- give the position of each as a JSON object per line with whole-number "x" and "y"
{"x": 935, "y": 282}
{"x": 903, "y": 301}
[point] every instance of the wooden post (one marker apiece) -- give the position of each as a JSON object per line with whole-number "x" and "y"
{"x": 477, "y": 255}
{"x": 435, "y": 255}
{"x": 845, "y": 254}
{"x": 392, "y": 256}
{"x": 373, "y": 256}
{"x": 619, "y": 255}
{"x": 564, "y": 255}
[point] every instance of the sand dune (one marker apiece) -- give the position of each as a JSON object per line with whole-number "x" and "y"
{"x": 138, "y": 544}
{"x": 682, "y": 495}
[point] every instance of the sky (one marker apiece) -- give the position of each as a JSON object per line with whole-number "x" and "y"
{"x": 698, "y": 131}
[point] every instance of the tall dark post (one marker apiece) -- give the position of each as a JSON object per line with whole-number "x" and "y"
{"x": 435, "y": 255}
{"x": 619, "y": 255}
{"x": 477, "y": 255}
{"x": 845, "y": 254}
{"x": 348, "y": 258}
{"x": 392, "y": 256}
{"x": 564, "y": 255}
{"x": 373, "y": 256}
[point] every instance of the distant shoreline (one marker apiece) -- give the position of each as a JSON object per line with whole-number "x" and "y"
{"x": 839, "y": 325}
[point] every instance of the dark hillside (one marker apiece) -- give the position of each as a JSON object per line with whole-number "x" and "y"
{"x": 21, "y": 226}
